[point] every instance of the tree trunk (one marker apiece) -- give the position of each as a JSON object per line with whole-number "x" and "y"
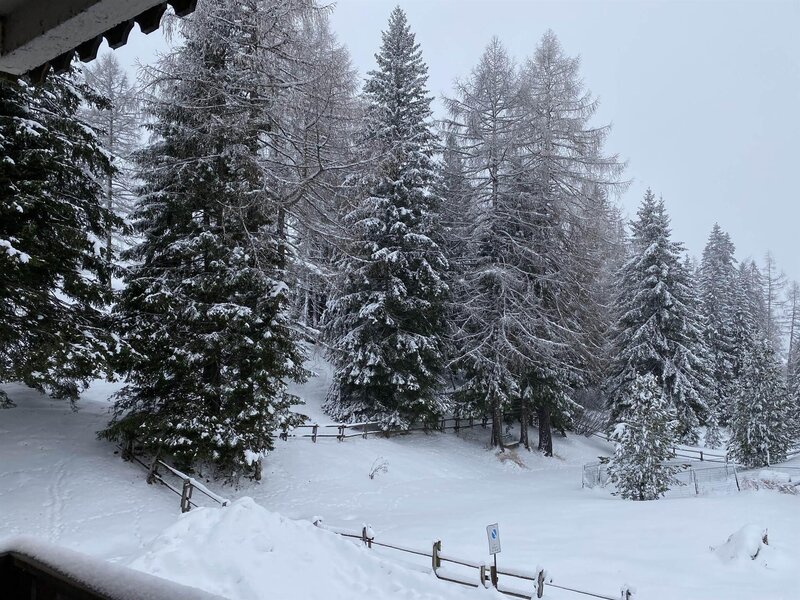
{"x": 497, "y": 425}
{"x": 545, "y": 433}
{"x": 257, "y": 467}
{"x": 524, "y": 419}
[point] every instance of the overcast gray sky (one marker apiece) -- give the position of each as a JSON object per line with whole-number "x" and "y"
{"x": 704, "y": 96}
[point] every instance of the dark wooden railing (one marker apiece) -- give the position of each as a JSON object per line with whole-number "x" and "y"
{"x": 33, "y": 569}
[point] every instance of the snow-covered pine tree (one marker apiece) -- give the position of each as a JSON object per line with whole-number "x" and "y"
{"x": 749, "y": 315}
{"x": 387, "y": 321}
{"x": 717, "y": 283}
{"x": 644, "y": 437}
{"x": 659, "y": 330}
{"x": 53, "y": 266}
{"x": 204, "y": 312}
{"x": 118, "y": 122}
{"x": 765, "y": 417}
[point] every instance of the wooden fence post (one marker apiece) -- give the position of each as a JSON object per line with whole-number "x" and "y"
{"x": 694, "y": 480}
{"x": 365, "y": 538}
{"x": 285, "y": 433}
{"x": 314, "y": 433}
{"x": 736, "y": 477}
{"x": 482, "y": 575}
{"x": 540, "y": 583}
{"x": 153, "y": 472}
{"x": 701, "y": 456}
{"x": 457, "y": 426}
{"x": 186, "y": 496}
{"x": 435, "y": 560}
{"x": 340, "y": 437}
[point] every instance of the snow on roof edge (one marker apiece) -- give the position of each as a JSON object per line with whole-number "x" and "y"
{"x": 108, "y": 579}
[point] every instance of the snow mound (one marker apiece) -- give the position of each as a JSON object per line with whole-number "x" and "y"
{"x": 749, "y": 543}
{"x": 245, "y": 552}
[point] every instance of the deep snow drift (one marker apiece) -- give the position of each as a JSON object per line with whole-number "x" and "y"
{"x": 247, "y": 552}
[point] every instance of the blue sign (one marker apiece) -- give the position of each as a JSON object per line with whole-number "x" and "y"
{"x": 493, "y": 533}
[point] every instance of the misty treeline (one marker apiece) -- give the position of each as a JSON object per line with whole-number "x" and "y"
{"x": 471, "y": 265}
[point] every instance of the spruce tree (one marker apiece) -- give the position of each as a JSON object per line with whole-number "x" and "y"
{"x": 387, "y": 320}
{"x": 659, "y": 330}
{"x": 765, "y": 419}
{"x": 204, "y": 312}
{"x": 53, "y": 272}
{"x": 644, "y": 436}
{"x": 717, "y": 283}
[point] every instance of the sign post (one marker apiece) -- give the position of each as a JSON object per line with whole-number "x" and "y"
{"x": 493, "y": 534}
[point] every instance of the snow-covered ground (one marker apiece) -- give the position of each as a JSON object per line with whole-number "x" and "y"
{"x": 59, "y": 482}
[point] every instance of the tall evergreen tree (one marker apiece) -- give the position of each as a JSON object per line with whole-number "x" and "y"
{"x": 387, "y": 321}
{"x": 53, "y": 272}
{"x": 765, "y": 419}
{"x": 204, "y": 313}
{"x": 643, "y": 439}
{"x": 658, "y": 331}
{"x": 717, "y": 283}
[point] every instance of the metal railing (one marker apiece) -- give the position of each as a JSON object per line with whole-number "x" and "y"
{"x": 534, "y": 582}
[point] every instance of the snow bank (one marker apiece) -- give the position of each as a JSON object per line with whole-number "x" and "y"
{"x": 245, "y": 552}
{"x": 749, "y": 543}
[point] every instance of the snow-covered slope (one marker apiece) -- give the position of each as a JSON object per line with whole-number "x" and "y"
{"x": 59, "y": 482}
{"x": 247, "y": 552}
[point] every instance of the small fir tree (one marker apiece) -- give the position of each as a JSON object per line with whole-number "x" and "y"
{"x": 764, "y": 422}
{"x": 644, "y": 436}
{"x": 387, "y": 321}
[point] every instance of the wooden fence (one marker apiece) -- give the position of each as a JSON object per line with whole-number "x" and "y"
{"x": 178, "y": 482}
{"x": 363, "y": 430}
{"x": 515, "y": 583}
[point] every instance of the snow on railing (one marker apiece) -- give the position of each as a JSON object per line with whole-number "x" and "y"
{"x": 532, "y": 583}
{"x": 187, "y": 487}
{"x": 373, "y": 428}
{"x": 680, "y": 451}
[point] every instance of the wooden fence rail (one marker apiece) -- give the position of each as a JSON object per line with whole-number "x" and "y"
{"x": 188, "y": 484}
{"x": 534, "y": 582}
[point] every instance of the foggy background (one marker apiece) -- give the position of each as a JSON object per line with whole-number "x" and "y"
{"x": 703, "y": 96}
